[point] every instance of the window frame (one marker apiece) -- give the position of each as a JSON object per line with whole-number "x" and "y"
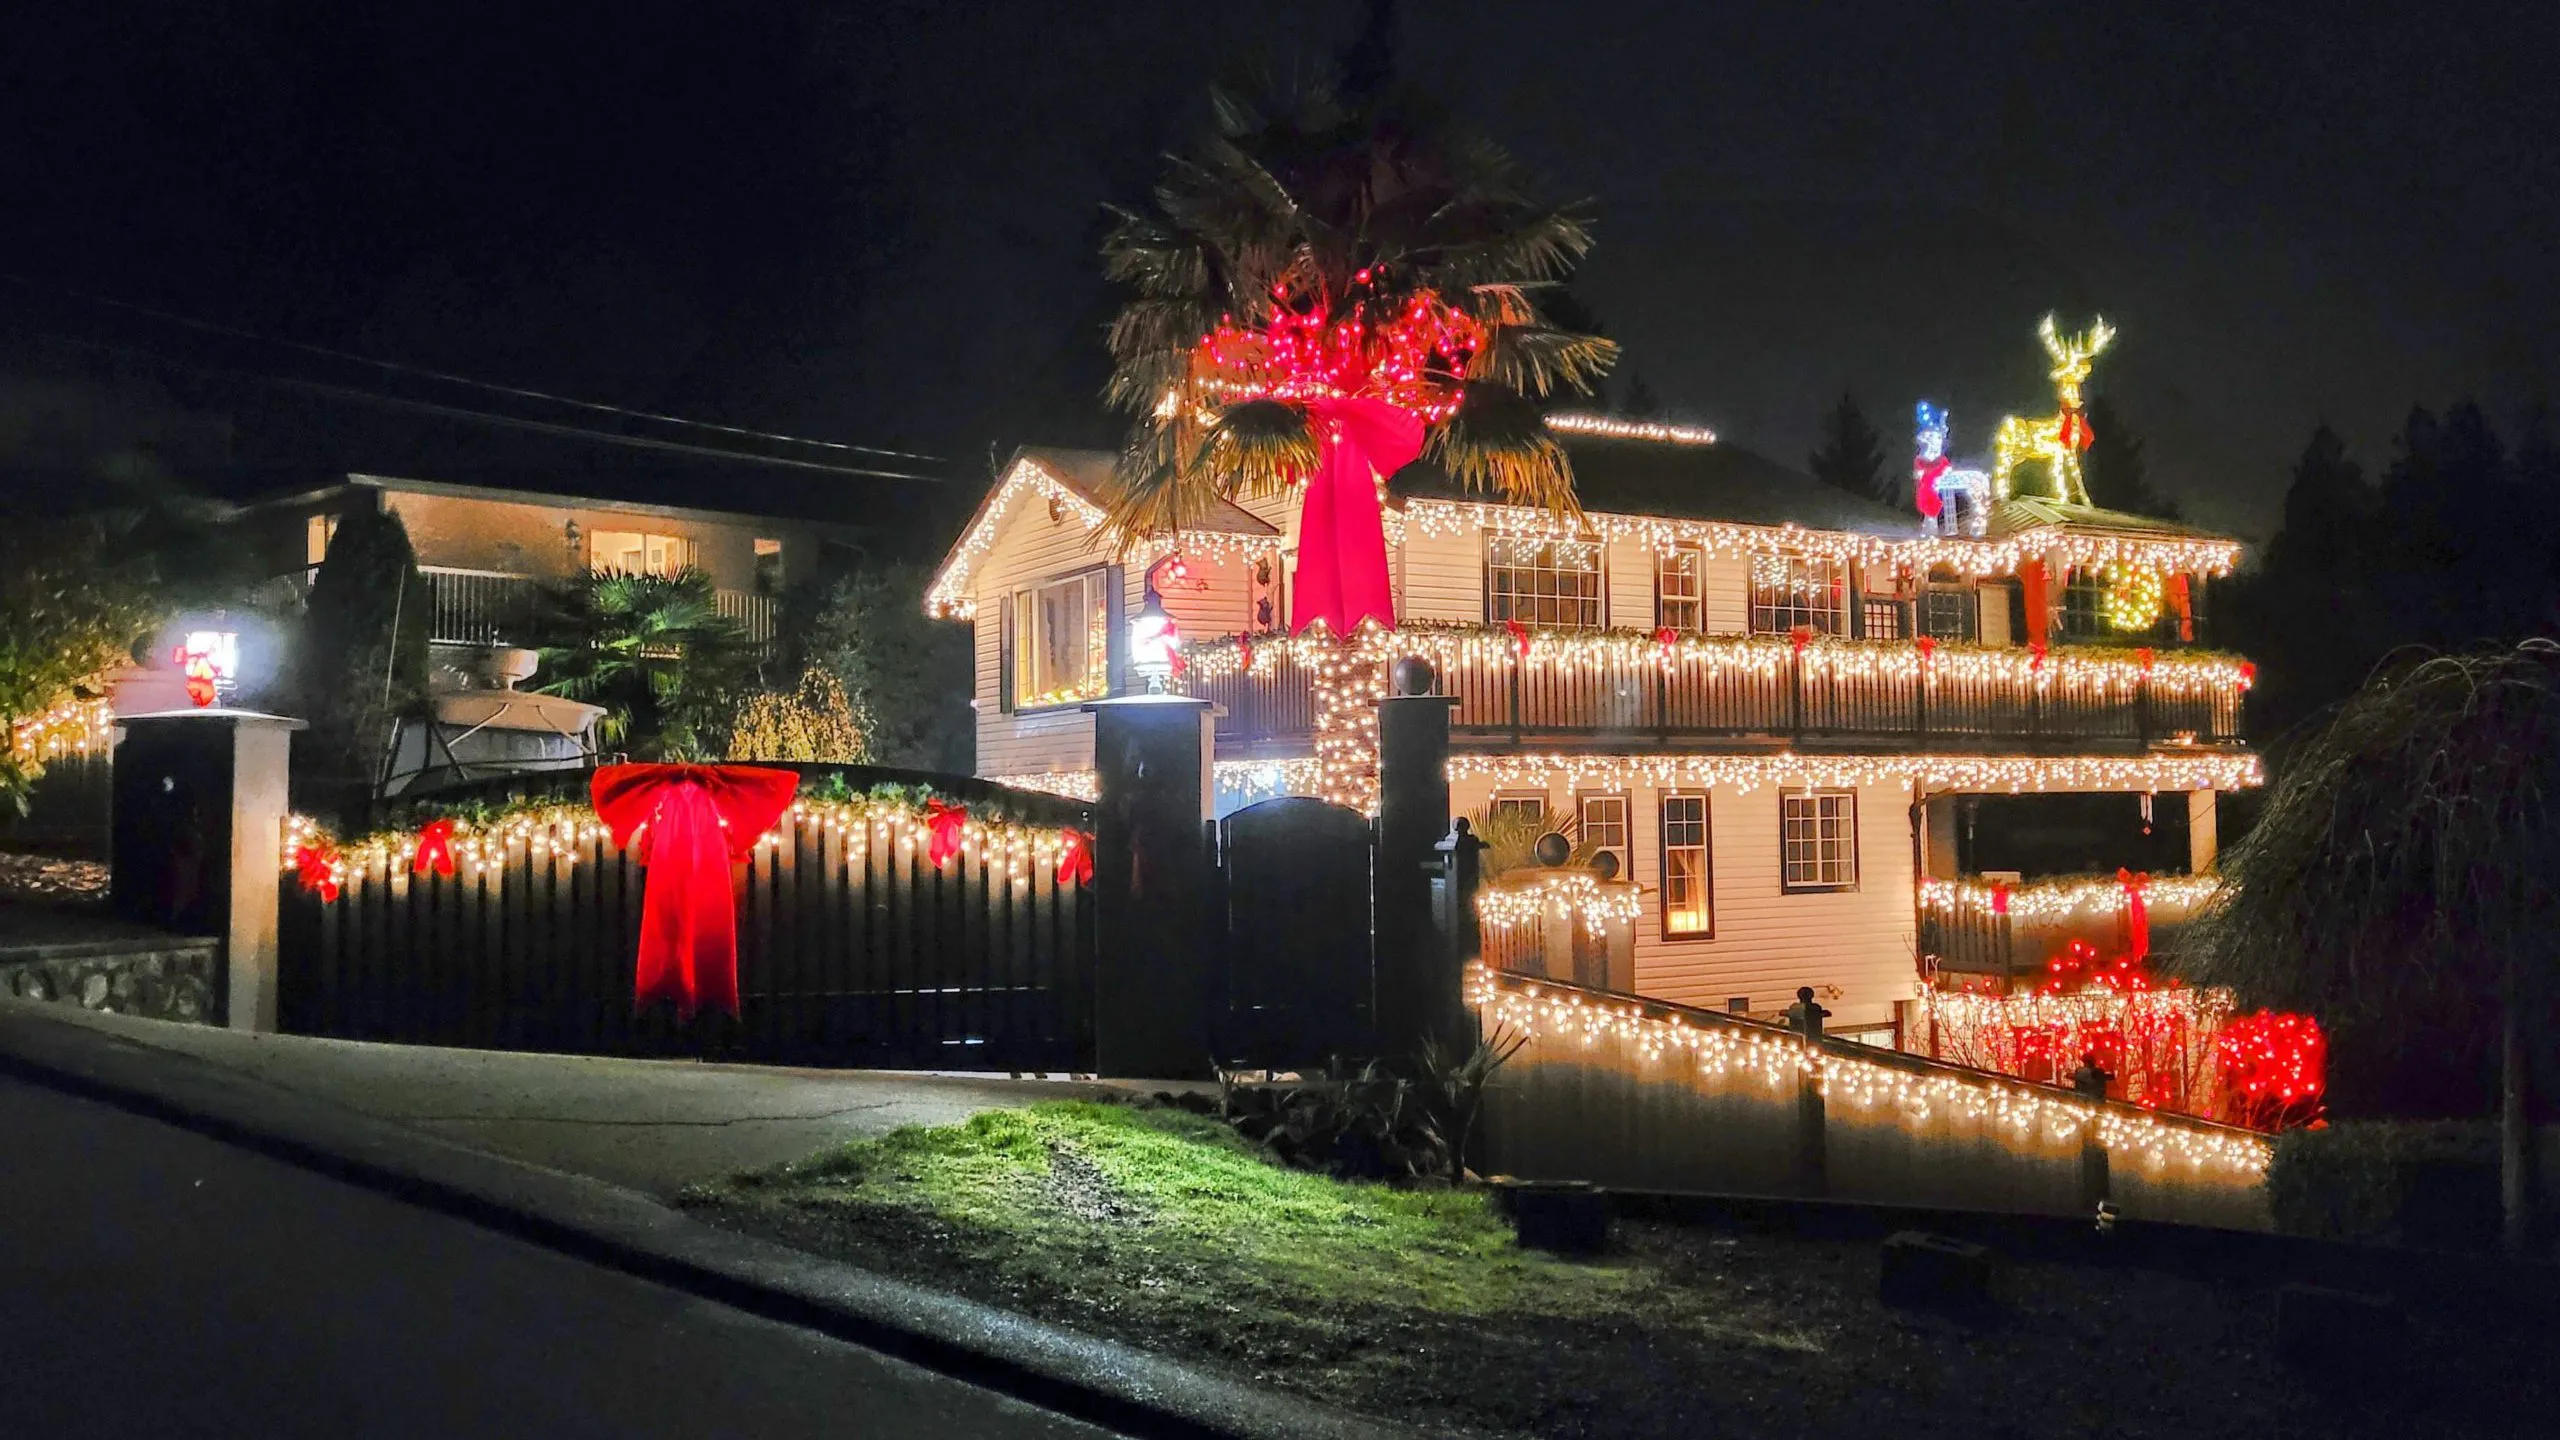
{"x": 1706, "y": 848}
{"x": 1625, "y": 849}
{"x": 1771, "y": 616}
{"x": 1520, "y": 800}
{"x": 1663, "y": 562}
{"x": 1787, "y": 883}
{"x": 1597, "y": 600}
{"x": 690, "y": 549}
{"x": 1022, "y": 612}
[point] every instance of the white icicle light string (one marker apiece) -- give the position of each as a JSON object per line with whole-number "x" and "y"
{"x": 2054, "y": 900}
{"x": 1984, "y": 774}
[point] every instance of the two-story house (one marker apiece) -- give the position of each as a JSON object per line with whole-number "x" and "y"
{"x": 1768, "y": 699}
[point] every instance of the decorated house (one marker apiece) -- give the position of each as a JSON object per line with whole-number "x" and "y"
{"x": 1771, "y": 703}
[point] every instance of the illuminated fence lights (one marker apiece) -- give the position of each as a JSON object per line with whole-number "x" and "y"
{"x": 1994, "y": 774}
{"x": 1299, "y": 776}
{"x": 1526, "y": 898}
{"x": 1718, "y": 1048}
{"x": 75, "y": 727}
{"x": 2097, "y": 896}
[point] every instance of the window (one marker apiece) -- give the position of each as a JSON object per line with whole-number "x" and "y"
{"x": 1602, "y": 823}
{"x": 1818, "y": 840}
{"x": 317, "y": 532}
{"x": 2084, "y": 605}
{"x": 1948, "y": 611}
{"x": 632, "y": 552}
{"x": 1680, "y": 589}
{"x": 1062, "y": 642}
{"x": 1792, "y": 590}
{"x": 1688, "y": 889}
{"x": 1522, "y": 805}
{"x": 768, "y": 567}
{"x": 1550, "y": 583}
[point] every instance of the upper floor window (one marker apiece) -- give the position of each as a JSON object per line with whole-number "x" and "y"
{"x": 1818, "y": 840}
{"x": 634, "y": 552}
{"x": 1688, "y": 891}
{"x": 1061, "y": 637}
{"x": 768, "y": 567}
{"x": 1792, "y": 590}
{"x": 1550, "y": 583}
{"x": 1680, "y": 589}
{"x": 317, "y": 532}
{"x": 1602, "y": 823}
{"x": 2084, "y": 605}
{"x": 1949, "y": 610}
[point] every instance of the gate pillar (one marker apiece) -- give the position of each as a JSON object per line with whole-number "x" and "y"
{"x": 198, "y": 842}
{"x": 1420, "y": 985}
{"x": 1151, "y": 758}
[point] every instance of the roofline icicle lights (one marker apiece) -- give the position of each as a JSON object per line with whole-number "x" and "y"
{"x": 1786, "y": 770}
{"x": 1611, "y": 427}
{"x": 946, "y": 598}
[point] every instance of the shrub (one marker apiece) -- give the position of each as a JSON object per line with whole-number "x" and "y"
{"x": 2429, "y": 1185}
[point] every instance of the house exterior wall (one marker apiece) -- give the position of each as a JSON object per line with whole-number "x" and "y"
{"x": 470, "y": 533}
{"x": 1768, "y": 940}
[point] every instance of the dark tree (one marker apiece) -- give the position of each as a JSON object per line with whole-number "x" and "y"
{"x": 1637, "y": 401}
{"x": 360, "y": 663}
{"x": 1851, "y": 455}
{"x": 906, "y": 674}
{"x": 2117, "y": 475}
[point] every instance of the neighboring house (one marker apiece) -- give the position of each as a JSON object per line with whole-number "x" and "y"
{"x": 1767, "y": 698}
{"x": 485, "y": 552}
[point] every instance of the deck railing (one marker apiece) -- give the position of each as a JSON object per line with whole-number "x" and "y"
{"x": 1628, "y": 687}
{"x": 1978, "y": 928}
{"x": 495, "y": 607}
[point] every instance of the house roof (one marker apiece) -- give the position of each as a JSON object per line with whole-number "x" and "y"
{"x": 1687, "y": 482}
{"x": 1090, "y": 473}
{"x": 561, "y": 499}
{"x": 2025, "y": 512}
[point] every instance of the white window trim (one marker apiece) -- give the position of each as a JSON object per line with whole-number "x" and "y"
{"x": 1818, "y": 887}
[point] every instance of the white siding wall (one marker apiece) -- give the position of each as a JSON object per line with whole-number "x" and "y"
{"x": 1767, "y": 942}
{"x": 1442, "y": 577}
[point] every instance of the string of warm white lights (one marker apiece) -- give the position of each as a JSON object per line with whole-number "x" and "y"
{"x": 1720, "y": 1047}
{"x": 2058, "y": 899}
{"x": 1298, "y": 776}
{"x": 1527, "y": 897}
{"x": 1990, "y": 774}
{"x": 1011, "y": 851}
{"x": 1610, "y": 427}
{"x": 948, "y": 597}
{"x": 2003, "y": 555}
{"x": 74, "y": 727}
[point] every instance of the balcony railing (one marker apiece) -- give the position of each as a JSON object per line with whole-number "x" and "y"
{"x": 492, "y": 607}
{"x": 1637, "y": 688}
{"x": 1974, "y": 927}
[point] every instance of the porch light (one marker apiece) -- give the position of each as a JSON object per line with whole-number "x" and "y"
{"x": 1153, "y": 637}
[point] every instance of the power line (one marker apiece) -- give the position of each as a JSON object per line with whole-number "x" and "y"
{"x": 446, "y": 377}
{"x": 430, "y": 407}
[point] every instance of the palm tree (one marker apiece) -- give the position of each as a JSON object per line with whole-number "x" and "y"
{"x": 1318, "y": 248}
{"x": 656, "y": 653}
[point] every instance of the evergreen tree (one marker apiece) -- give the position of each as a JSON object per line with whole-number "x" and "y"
{"x": 1851, "y": 455}
{"x": 2117, "y": 475}
{"x": 1637, "y": 400}
{"x": 907, "y": 676}
{"x": 360, "y": 663}
{"x": 2308, "y": 613}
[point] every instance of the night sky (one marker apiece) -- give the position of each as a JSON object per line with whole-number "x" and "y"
{"x": 877, "y": 224}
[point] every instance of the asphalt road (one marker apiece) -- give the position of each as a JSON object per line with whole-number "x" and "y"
{"x": 157, "y": 1283}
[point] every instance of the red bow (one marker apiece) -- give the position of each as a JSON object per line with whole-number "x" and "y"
{"x": 1075, "y": 863}
{"x": 1667, "y": 638}
{"x": 1244, "y": 654}
{"x": 435, "y": 849}
{"x": 1342, "y": 535}
{"x": 1999, "y": 899}
{"x": 2035, "y": 655}
{"x": 1927, "y": 645}
{"x": 1800, "y": 636}
{"x": 1924, "y": 484}
{"x": 2143, "y": 657}
{"x": 318, "y": 871}
{"x": 945, "y": 820}
{"x": 2248, "y": 674}
{"x": 2137, "y": 915}
{"x": 1519, "y": 637}
{"x": 691, "y": 822}
{"x": 2075, "y": 433}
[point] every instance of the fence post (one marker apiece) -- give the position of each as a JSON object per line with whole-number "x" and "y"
{"x": 1150, "y": 993}
{"x": 197, "y": 842}
{"x": 1419, "y": 994}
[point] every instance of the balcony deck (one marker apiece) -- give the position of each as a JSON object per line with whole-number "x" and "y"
{"x": 494, "y": 607}
{"x": 2010, "y": 933}
{"x": 1633, "y": 692}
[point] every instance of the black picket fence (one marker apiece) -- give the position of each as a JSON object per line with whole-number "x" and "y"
{"x": 854, "y": 950}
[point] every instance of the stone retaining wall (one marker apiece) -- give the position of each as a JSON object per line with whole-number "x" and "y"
{"x": 168, "y": 984}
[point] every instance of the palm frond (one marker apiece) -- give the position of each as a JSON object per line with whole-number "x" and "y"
{"x": 1258, "y": 447}
{"x": 1499, "y": 442}
{"x": 1540, "y": 360}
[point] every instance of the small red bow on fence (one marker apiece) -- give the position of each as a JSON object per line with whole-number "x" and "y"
{"x": 435, "y": 849}
{"x": 2143, "y": 657}
{"x": 1244, "y": 654}
{"x": 2137, "y": 915}
{"x": 317, "y": 869}
{"x": 2035, "y": 656}
{"x": 1075, "y": 863}
{"x": 946, "y": 822}
{"x": 2248, "y": 674}
{"x": 1667, "y": 638}
{"x": 1927, "y": 645}
{"x": 1519, "y": 637}
{"x": 1800, "y": 636}
{"x": 1999, "y": 899}
{"x": 692, "y": 822}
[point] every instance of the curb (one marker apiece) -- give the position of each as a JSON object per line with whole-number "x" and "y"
{"x": 1101, "y": 1382}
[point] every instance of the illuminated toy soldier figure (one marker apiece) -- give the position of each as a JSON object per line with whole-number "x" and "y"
{"x": 1951, "y": 501}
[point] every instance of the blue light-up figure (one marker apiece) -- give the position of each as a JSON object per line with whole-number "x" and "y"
{"x": 1951, "y": 501}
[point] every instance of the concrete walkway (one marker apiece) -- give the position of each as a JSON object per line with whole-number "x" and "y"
{"x": 648, "y": 1125}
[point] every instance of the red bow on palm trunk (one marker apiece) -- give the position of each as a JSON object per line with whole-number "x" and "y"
{"x": 692, "y": 823}
{"x": 1342, "y": 538}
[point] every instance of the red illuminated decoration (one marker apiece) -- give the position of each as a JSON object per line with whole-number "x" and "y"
{"x": 2275, "y": 1068}
{"x": 1075, "y": 863}
{"x": 1519, "y": 637}
{"x": 2137, "y": 916}
{"x": 945, "y": 824}
{"x": 202, "y": 679}
{"x": 691, "y": 823}
{"x": 435, "y": 849}
{"x": 316, "y": 867}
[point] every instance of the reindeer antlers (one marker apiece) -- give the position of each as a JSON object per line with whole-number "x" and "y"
{"x": 2076, "y": 352}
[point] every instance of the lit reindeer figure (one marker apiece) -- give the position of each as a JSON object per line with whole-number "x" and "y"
{"x": 1951, "y": 501}
{"x": 2058, "y": 439}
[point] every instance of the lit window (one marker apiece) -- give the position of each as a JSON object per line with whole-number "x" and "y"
{"x": 317, "y": 532}
{"x": 1818, "y": 840}
{"x": 633, "y": 552}
{"x": 1062, "y": 642}
{"x": 1688, "y": 892}
{"x": 1520, "y": 806}
{"x": 1792, "y": 590}
{"x": 1602, "y": 823}
{"x": 1680, "y": 589}
{"x": 768, "y": 567}
{"x": 1553, "y": 584}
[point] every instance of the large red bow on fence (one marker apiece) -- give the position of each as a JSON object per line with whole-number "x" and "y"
{"x": 693, "y": 822}
{"x": 946, "y": 825}
{"x": 1342, "y": 536}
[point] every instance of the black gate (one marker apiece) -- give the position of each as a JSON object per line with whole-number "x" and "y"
{"x": 1295, "y": 982}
